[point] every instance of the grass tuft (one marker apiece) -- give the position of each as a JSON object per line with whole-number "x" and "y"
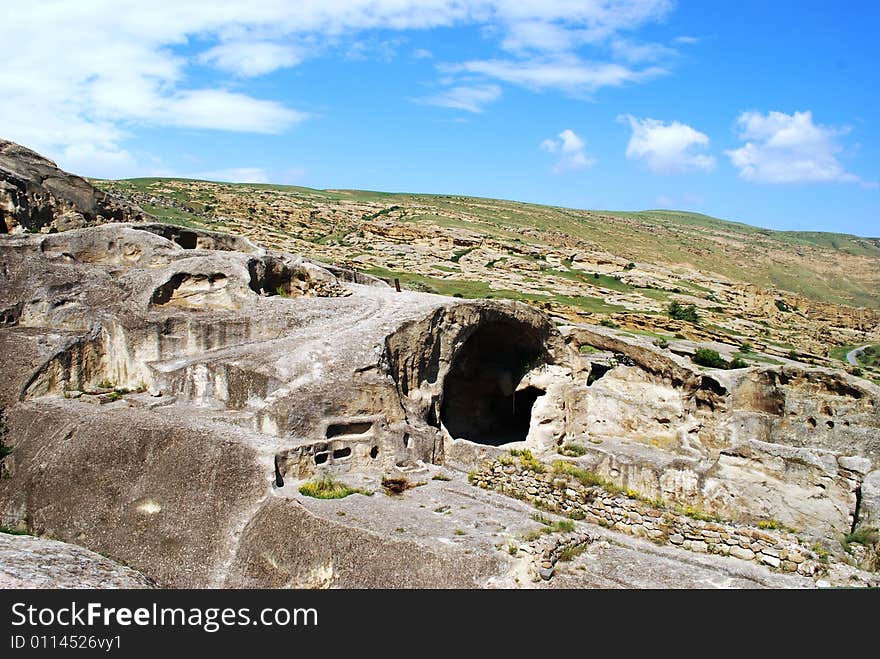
{"x": 327, "y": 488}
{"x": 572, "y": 450}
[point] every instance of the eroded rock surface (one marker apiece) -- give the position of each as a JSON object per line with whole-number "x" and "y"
{"x": 35, "y": 195}
{"x": 167, "y": 390}
{"x": 29, "y": 562}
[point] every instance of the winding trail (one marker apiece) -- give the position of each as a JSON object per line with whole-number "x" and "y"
{"x": 853, "y": 355}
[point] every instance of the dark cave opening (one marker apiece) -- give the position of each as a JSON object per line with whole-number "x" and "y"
{"x": 480, "y": 400}
{"x": 271, "y": 276}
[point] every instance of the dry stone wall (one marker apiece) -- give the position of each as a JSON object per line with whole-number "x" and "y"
{"x": 561, "y": 493}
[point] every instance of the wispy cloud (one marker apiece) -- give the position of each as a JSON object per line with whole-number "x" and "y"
{"x": 251, "y": 58}
{"x": 471, "y": 98}
{"x": 667, "y": 147}
{"x": 568, "y": 73}
{"x": 788, "y": 148}
{"x": 80, "y": 76}
{"x": 570, "y": 149}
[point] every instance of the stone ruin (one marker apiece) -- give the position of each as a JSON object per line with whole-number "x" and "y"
{"x": 166, "y": 390}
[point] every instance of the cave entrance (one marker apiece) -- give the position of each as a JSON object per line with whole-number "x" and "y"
{"x": 480, "y": 400}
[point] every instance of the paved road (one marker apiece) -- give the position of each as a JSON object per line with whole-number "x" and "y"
{"x": 852, "y": 355}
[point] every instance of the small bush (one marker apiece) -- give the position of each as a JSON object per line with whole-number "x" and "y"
{"x": 782, "y": 306}
{"x": 440, "y": 477}
{"x": 396, "y": 484}
{"x": 738, "y": 362}
{"x": 821, "y": 553}
{"x": 677, "y": 311}
{"x": 710, "y": 358}
{"x": 572, "y": 551}
{"x": 577, "y": 514}
{"x": 661, "y": 343}
{"x": 865, "y": 536}
{"x": 745, "y": 347}
{"x": 607, "y": 322}
{"x": 562, "y": 526}
{"x": 528, "y": 461}
{"x": 771, "y": 524}
{"x": 549, "y": 526}
{"x": 792, "y": 354}
{"x": 9, "y": 531}
{"x": 629, "y": 266}
{"x": 572, "y": 450}
{"x": 696, "y": 513}
{"x": 585, "y": 477}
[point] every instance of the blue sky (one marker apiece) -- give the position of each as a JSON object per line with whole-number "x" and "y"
{"x": 761, "y": 112}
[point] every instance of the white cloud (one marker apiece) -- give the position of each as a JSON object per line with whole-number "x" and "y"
{"x": 788, "y": 148}
{"x": 667, "y": 147}
{"x": 567, "y": 73}
{"x": 471, "y": 98}
{"x": 219, "y": 109}
{"x": 422, "y": 53}
{"x": 86, "y": 74}
{"x": 250, "y": 58}
{"x": 570, "y": 148}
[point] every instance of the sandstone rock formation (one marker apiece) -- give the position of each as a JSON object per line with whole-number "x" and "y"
{"x": 35, "y": 195}
{"x": 166, "y": 391}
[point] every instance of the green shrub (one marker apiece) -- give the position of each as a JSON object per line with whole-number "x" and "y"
{"x": 677, "y": 311}
{"x": 572, "y": 450}
{"x": 782, "y": 306}
{"x": 9, "y": 531}
{"x": 572, "y": 551}
{"x": 584, "y": 476}
{"x": 738, "y": 362}
{"x": 771, "y": 524}
{"x": 866, "y": 536}
{"x": 710, "y": 358}
{"x": 661, "y": 343}
{"x": 607, "y": 322}
{"x": 528, "y": 461}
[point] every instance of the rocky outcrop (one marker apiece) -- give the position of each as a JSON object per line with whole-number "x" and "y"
{"x": 168, "y": 390}
{"x": 29, "y": 562}
{"x": 37, "y": 196}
